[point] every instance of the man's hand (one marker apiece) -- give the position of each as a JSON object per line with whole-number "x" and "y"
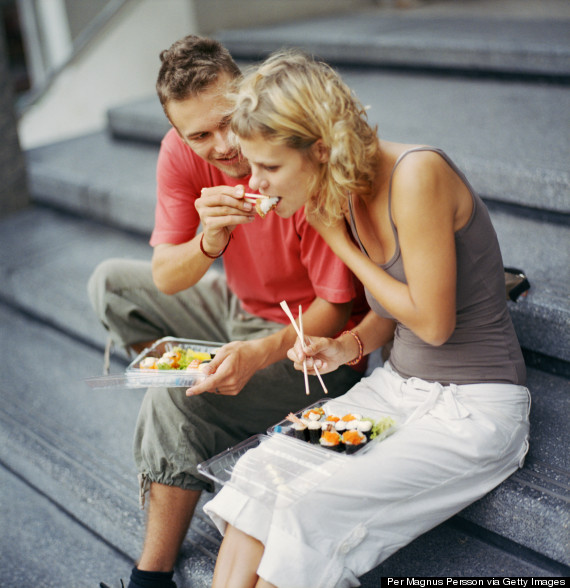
{"x": 231, "y": 369}
{"x": 221, "y": 208}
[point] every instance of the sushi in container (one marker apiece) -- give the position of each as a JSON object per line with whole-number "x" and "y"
{"x": 169, "y": 362}
{"x": 358, "y": 428}
{"x": 286, "y": 463}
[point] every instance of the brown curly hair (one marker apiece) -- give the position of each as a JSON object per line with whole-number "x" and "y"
{"x": 190, "y": 66}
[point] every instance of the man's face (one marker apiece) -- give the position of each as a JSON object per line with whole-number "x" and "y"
{"x": 202, "y": 123}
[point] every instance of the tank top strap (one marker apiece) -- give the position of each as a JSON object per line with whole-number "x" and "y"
{"x": 353, "y": 225}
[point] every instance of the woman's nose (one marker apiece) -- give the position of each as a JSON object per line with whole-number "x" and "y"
{"x": 256, "y": 182}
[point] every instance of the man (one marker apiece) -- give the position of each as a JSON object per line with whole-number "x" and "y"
{"x": 201, "y": 178}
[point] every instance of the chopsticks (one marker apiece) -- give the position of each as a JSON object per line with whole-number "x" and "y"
{"x": 299, "y": 332}
{"x": 254, "y": 197}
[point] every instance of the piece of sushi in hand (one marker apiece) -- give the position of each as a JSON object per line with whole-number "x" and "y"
{"x": 265, "y": 205}
{"x": 353, "y": 441}
{"x": 331, "y": 440}
{"x": 314, "y": 429}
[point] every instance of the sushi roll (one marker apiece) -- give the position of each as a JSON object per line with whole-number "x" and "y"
{"x": 314, "y": 431}
{"x": 331, "y": 440}
{"x": 299, "y": 431}
{"x": 265, "y": 204}
{"x": 314, "y": 414}
{"x": 328, "y": 425}
{"x": 365, "y": 426}
{"x": 352, "y": 425}
{"x": 340, "y": 426}
{"x": 149, "y": 363}
{"x": 353, "y": 441}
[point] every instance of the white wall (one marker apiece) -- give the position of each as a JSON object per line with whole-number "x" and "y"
{"x": 119, "y": 66}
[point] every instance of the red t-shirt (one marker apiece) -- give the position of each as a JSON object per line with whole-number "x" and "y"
{"x": 268, "y": 260}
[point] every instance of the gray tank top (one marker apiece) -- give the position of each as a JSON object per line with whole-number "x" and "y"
{"x": 483, "y": 346}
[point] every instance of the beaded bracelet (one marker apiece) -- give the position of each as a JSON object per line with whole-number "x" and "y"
{"x": 219, "y": 254}
{"x": 360, "y": 347}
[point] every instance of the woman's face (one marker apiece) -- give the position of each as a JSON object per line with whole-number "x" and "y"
{"x": 277, "y": 170}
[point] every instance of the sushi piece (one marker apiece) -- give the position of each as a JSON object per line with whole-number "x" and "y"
{"x": 352, "y": 425}
{"x": 314, "y": 429}
{"x": 353, "y": 441}
{"x": 148, "y": 363}
{"x": 300, "y": 431}
{"x": 328, "y": 425}
{"x": 331, "y": 440}
{"x": 340, "y": 426}
{"x": 314, "y": 414}
{"x": 265, "y": 205}
{"x": 365, "y": 426}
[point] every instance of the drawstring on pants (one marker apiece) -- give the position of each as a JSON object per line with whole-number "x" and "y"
{"x": 435, "y": 390}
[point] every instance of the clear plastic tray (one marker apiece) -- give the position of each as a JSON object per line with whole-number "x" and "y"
{"x": 137, "y": 377}
{"x": 277, "y": 471}
{"x": 281, "y": 468}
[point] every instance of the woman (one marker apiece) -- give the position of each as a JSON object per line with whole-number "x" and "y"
{"x": 410, "y": 227}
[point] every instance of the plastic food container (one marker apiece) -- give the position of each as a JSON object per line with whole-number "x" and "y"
{"x": 280, "y": 468}
{"x": 136, "y": 376}
{"x": 277, "y": 470}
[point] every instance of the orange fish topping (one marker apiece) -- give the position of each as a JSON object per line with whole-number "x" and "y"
{"x": 352, "y": 437}
{"x": 331, "y": 437}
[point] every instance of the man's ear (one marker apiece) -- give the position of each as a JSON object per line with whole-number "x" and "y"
{"x": 320, "y": 151}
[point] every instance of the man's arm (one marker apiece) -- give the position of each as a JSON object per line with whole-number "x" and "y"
{"x": 237, "y": 361}
{"x": 178, "y": 267}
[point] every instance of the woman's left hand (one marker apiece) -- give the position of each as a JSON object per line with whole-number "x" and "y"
{"x": 335, "y": 235}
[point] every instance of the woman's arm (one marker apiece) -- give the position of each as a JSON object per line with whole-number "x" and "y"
{"x": 328, "y": 354}
{"x": 423, "y": 209}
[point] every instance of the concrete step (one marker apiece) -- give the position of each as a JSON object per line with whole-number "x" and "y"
{"x": 124, "y": 196}
{"x": 66, "y": 451}
{"x": 74, "y": 443}
{"x": 473, "y": 38}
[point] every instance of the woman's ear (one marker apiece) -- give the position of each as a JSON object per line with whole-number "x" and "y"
{"x": 320, "y": 151}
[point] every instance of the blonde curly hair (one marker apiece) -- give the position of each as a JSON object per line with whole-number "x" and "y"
{"x": 294, "y": 100}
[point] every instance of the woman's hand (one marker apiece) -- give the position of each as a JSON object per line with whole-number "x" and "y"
{"x": 324, "y": 353}
{"x": 335, "y": 235}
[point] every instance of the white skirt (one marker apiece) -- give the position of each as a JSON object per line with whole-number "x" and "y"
{"x": 452, "y": 446}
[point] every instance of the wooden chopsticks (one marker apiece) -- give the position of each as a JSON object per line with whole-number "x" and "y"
{"x": 299, "y": 331}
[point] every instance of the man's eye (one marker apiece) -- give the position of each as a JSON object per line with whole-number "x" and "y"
{"x": 199, "y": 137}
{"x": 270, "y": 168}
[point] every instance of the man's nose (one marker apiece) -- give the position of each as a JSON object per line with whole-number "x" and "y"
{"x": 221, "y": 141}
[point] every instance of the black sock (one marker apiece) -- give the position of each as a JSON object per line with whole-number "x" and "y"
{"x": 143, "y": 579}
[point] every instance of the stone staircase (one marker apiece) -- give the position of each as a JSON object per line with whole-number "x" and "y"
{"x": 491, "y": 88}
